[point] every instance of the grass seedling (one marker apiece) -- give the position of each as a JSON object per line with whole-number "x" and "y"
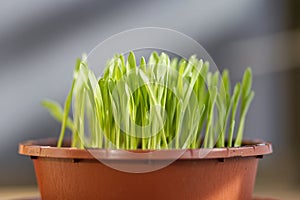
{"x": 161, "y": 104}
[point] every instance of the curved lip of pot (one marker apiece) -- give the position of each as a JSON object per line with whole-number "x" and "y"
{"x": 46, "y": 148}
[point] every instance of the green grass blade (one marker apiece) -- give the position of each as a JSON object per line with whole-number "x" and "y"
{"x": 238, "y": 140}
{"x": 56, "y": 112}
{"x": 68, "y": 105}
{"x": 234, "y": 103}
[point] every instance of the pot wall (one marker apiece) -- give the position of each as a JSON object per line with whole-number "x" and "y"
{"x": 208, "y": 174}
{"x": 232, "y": 178}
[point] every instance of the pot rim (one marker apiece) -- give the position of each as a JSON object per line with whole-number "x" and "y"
{"x": 45, "y": 148}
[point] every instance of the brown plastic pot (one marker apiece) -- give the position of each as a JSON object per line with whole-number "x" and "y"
{"x": 69, "y": 173}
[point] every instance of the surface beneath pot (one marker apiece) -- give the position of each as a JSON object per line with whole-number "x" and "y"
{"x": 31, "y": 193}
{"x": 256, "y": 198}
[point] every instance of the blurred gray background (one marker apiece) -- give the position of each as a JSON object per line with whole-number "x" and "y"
{"x": 40, "y": 41}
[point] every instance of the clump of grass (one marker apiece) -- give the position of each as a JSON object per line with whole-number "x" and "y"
{"x": 160, "y": 104}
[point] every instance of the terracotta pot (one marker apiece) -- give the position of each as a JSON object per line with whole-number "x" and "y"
{"x": 69, "y": 173}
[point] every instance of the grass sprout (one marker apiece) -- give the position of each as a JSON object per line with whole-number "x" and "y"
{"x": 161, "y": 103}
